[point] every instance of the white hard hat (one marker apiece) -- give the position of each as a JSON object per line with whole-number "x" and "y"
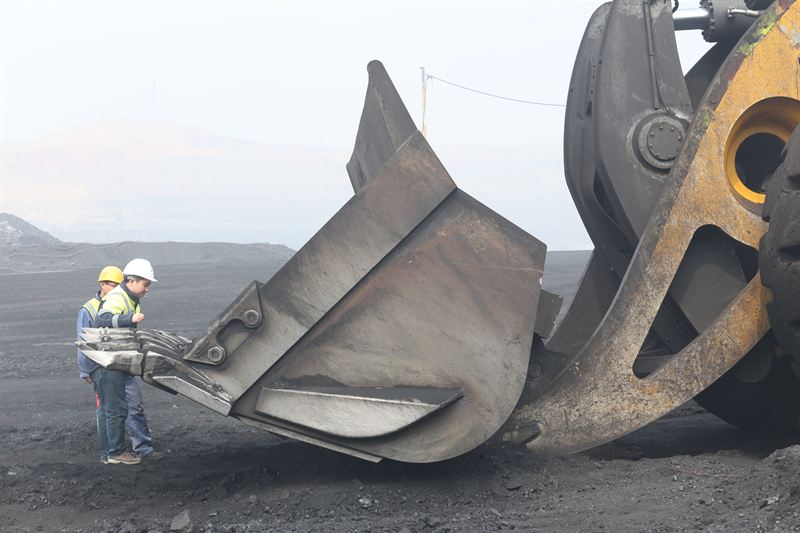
{"x": 141, "y": 268}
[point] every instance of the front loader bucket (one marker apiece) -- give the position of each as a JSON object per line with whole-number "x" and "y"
{"x": 402, "y": 329}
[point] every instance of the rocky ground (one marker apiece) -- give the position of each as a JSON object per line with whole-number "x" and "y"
{"x": 689, "y": 471}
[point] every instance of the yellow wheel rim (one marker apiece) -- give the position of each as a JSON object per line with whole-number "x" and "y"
{"x": 777, "y": 116}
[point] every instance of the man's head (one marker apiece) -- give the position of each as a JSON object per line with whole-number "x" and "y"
{"x": 137, "y": 285}
{"x": 138, "y": 276}
{"x": 109, "y": 278}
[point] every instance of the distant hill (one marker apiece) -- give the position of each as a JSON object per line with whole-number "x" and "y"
{"x": 73, "y": 256}
{"x": 45, "y": 253}
{"x": 16, "y": 232}
{"x": 26, "y": 248}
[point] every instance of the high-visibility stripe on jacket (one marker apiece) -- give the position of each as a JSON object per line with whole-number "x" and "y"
{"x": 118, "y": 302}
{"x": 92, "y": 306}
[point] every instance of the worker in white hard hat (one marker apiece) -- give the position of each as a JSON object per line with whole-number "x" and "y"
{"x": 121, "y": 395}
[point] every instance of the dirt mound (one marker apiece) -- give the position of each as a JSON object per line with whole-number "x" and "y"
{"x": 775, "y": 488}
{"x": 26, "y": 248}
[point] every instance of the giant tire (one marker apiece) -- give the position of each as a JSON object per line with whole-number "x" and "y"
{"x": 766, "y": 407}
{"x": 779, "y": 256}
{"x": 770, "y": 406}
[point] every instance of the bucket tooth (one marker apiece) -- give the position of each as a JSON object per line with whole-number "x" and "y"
{"x": 149, "y": 356}
{"x": 127, "y": 361}
{"x": 106, "y": 334}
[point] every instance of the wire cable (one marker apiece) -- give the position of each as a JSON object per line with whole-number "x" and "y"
{"x": 531, "y": 102}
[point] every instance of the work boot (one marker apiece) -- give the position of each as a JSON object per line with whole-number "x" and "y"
{"x": 125, "y": 458}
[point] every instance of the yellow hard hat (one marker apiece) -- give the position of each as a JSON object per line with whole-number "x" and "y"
{"x": 111, "y": 273}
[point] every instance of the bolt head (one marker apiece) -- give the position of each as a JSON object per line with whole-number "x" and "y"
{"x": 216, "y": 354}
{"x": 251, "y": 317}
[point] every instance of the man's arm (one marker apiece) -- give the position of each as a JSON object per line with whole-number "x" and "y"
{"x": 112, "y": 314}
{"x": 108, "y": 319}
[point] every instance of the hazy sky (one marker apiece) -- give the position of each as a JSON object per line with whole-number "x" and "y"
{"x": 261, "y": 101}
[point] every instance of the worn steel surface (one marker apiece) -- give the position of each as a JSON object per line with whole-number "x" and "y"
{"x": 229, "y": 330}
{"x": 713, "y": 269}
{"x": 600, "y": 78}
{"x": 702, "y": 73}
{"x": 605, "y": 175}
{"x": 598, "y": 398}
{"x": 640, "y": 78}
{"x": 600, "y": 280}
{"x": 354, "y": 412}
{"x": 640, "y": 87}
{"x": 453, "y": 306}
{"x": 384, "y": 126}
{"x": 372, "y": 223}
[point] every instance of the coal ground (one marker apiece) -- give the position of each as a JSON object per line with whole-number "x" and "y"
{"x": 688, "y": 471}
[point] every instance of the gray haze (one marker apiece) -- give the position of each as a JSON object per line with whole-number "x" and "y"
{"x": 232, "y": 121}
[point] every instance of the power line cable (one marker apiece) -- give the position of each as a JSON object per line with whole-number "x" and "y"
{"x": 531, "y": 102}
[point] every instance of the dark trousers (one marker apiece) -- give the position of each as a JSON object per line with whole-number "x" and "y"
{"x": 110, "y": 387}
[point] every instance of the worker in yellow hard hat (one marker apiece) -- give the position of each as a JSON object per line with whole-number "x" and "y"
{"x": 109, "y": 278}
